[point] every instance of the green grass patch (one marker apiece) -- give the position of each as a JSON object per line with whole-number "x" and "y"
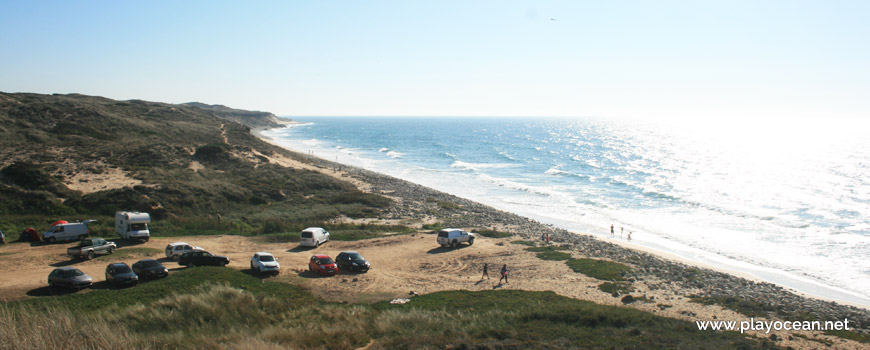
{"x": 600, "y": 269}
{"x": 124, "y": 253}
{"x": 745, "y": 307}
{"x": 178, "y": 281}
{"x": 616, "y": 287}
{"x": 858, "y": 337}
{"x": 547, "y": 248}
{"x": 448, "y": 205}
{"x": 492, "y": 233}
{"x": 526, "y": 243}
{"x": 551, "y": 252}
{"x": 526, "y": 319}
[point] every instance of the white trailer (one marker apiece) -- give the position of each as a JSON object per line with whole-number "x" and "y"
{"x": 132, "y": 225}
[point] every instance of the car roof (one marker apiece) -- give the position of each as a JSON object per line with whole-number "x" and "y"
{"x": 144, "y": 260}
{"x": 321, "y": 256}
{"x": 178, "y": 243}
{"x": 313, "y": 229}
{"x": 349, "y": 252}
{"x": 262, "y": 253}
{"x": 66, "y": 268}
{"x": 118, "y": 264}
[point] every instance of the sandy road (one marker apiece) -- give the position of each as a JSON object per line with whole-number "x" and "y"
{"x": 400, "y": 264}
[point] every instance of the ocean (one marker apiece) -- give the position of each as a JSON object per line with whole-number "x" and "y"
{"x": 787, "y": 201}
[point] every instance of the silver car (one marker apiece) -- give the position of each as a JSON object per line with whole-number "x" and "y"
{"x": 69, "y": 277}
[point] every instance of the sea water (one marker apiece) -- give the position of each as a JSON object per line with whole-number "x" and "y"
{"x": 785, "y": 200}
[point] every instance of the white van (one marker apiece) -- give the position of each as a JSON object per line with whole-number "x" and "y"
{"x": 132, "y": 225}
{"x": 313, "y": 237}
{"x": 75, "y": 231}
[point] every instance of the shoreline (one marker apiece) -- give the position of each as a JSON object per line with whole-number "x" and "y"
{"x": 669, "y": 269}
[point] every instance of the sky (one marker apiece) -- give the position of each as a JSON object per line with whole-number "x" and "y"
{"x": 647, "y": 59}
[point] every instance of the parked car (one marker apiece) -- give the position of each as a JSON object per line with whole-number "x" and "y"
{"x": 121, "y": 274}
{"x": 90, "y": 247}
{"x": 65, "y": 231}
{"x": 323, "y": 265}
{"x": 2, "y": 238}
{"x": 454, "y": 236}
{"x": 202, "y": 258}
{"x": 175, "y": 250}
{"x": 69, "y": 277}
{"x": 313, "y": 237}
{"x": 352, "y": 261}
{"x": 263, "y": 262}
{"x": 149, "y": 269}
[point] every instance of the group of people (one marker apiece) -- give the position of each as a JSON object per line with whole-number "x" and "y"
{"x": 504, "y": 273}
{"x": 621, "y": 230}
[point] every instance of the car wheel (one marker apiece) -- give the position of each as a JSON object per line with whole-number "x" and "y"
{"x": 50, "y": 285}
{"x": 455, "y": 244}
{"x": 470, "y": 241}
{"x": 91, "y": 255}
{"x": 51, "y": 239}
{"x": 111, "y": 250}
{"x": 223, "y": 264}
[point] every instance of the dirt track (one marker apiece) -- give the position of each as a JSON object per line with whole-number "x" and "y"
{"x": 400, "y": 264}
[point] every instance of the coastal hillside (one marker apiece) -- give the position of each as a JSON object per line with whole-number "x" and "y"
{"x": 76, "y": 156}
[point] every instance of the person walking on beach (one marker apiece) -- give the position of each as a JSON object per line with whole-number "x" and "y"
{"x": 629, "y": 235}
{"x": 504, "y": 273}
{"x": 485, "y": 271}
{"x": 611, "y": 230}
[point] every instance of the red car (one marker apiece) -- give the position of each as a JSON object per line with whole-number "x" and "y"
{"x": 323, "y": 265}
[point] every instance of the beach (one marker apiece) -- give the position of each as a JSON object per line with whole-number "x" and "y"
{"x": 668, "y": 274}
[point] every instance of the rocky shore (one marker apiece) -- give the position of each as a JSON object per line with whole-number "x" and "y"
{"x": 755, "y": 299}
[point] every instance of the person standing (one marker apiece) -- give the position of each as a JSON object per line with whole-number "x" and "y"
{"x": 485, "y": 271}
{"x": 504, "y": 273}
{"x": 611, "y": 230}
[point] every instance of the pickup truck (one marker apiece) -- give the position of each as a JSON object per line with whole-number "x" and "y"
{"x": 90, "y": 247}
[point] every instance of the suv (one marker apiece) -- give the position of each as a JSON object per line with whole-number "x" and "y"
{"x": 352, "y": 261}
{"x": 199, "y": 258}
{"x": 174, "y": 250}
{"x": 264, "y": 262}
{"x": 454, "y": 236}
{"x": 323, "y": 265}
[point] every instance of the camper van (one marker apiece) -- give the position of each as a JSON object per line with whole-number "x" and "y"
{"x": 65, "y": 231}
{"x": 132, "y": 225}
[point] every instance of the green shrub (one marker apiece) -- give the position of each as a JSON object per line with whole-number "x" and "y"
{"x": 600, "y": 269}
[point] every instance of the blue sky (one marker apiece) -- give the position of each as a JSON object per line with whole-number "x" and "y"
{"x": 690, "y": 59}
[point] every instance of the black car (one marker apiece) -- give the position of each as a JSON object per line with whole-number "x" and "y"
{"x": 120, "y": 274}
{"x": 352, "y": 261}
{"x": 202, "y": 258}
{"x": 149, "y": 269}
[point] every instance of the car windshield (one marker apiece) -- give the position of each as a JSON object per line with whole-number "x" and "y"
{"x": 267, "y": 258}
{"x": 138, "y": 227}
{"x": 149, "y": 263}
{"x": 442, "y": 234}
{"x": 355, "y": 257}
{"x": 306, "y": 234}
{"x": 324, "y": 261}
{"x": 122, "y": 269}
{"x": 72, "y": 273}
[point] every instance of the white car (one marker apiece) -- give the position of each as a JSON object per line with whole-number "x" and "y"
{"x": 313, "y": 237}
{"x": 174, "y": 250}
{"x": 263, "y": 262}
{"x": 454, "y": 236}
